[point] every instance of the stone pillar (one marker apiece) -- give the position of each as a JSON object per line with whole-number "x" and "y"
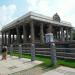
{"x": 67, "y": 34}
{"x": 20, "y": 38}
{"x": 49, "y": 30}
{"x": 2, "y": 38}
{"x": 33, "y": 41}
{"x": 24, "y": 34}
{"x": 5, "y": 38}
{"x": 9, "y": 37}
{"x": 18, "y": 35}
{"x": 62, "y": 34}
{"x": 13, "y": 39}
{"x": 41, "y": 33}
{"x": 56, "y": 35}
{"x": 59, "y": 35}
{"x": 71, "y": 36}
{"x": 32, "y": 32}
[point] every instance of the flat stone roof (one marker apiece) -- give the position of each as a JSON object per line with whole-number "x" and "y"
{"x": 35, "y": 16}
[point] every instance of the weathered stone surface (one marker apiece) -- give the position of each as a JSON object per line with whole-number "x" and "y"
{"x": 61, "y": 71}
{"x": 15, "y": 66}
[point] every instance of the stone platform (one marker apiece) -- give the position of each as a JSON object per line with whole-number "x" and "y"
{"x": 15, "y": 66}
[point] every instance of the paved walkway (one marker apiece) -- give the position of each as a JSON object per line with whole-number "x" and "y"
{"x": 15, "y": 66}
{"x": 61, "y": 71}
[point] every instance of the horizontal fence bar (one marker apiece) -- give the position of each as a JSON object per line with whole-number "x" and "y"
{"x": 56, "y": 48}
{"x": 62, "y": 52}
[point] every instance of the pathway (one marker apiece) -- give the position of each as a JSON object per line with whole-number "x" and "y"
{"x": 61, "y": 71}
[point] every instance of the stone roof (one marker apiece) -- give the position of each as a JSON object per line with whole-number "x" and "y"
{"x": 36, "y": 16}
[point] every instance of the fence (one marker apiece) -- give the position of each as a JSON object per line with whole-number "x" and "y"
{"x": 64, "y": 51}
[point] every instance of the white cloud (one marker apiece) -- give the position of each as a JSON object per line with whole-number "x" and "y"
{"x": 31, "y": 4}
{"x": 41, "y": 6}
{"x": 65, "y": 8}
{"x": 6, "y": 14}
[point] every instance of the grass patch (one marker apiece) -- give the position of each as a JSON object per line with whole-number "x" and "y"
{"x": 67, "y": 62}
{"x": 47, "y": 61}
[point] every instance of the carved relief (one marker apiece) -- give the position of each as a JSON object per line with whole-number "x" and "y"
{"x": 56, "y": 17}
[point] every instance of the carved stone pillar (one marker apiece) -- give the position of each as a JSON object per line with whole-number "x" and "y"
{"x": 49, "y": 30}
{"x": 71, "y": 36}
{"x": 2, "y": 38}
{"x": 13, "y": 39}
{"x": 41, "y": 33}
{"x": 67, "y": 34}
{"x": 59, "y": 35}
{"x": 5, "y": 38}
{"x": 9, "y": 37}
{"x": 24, "y": 34}
{"x": 62, "y": 34}
{"x": 18, "y": 35}
{"x": 32, "y": 32}
{"x": 32, "y": 41}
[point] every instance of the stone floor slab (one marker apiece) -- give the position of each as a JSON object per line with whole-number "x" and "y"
{"x": 14, "y": 65}
{"x": 61, "y": 71}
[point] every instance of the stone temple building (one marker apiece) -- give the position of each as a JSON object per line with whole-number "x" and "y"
{"x": 32, "y": 27}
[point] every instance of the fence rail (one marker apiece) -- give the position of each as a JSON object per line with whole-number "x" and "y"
{"x": 62, "y": 51}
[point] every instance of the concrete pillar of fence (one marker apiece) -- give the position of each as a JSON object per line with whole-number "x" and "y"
{"x": 53, "y": 54}
{"x": 20, "y": 51}
{"x": 11, "y": 50}
{"x": 32, "y": 52}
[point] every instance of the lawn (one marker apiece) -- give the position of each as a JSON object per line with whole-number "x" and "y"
{"x": 47, "y": 61}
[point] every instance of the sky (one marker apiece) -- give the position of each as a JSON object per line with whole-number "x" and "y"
{"x": 12, "y": 9}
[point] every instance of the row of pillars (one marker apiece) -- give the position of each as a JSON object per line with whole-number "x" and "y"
{"x": 9, "y": 41}
{"x": 63, "y": 34}
{"x": 68, "y": 34}
{"x": 49, "y": 30}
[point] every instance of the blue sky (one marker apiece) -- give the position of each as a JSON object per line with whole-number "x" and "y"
{"x": 12, "y": 9}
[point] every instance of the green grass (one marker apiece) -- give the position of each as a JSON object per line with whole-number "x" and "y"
{"x": 67, "y": 62}
{"x": 47, "y": 61}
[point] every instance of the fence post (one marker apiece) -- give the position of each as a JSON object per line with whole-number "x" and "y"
{"x": 32, "y": 52}
{"x": 53, "y": 54}
{"x": 20, "y": 51}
